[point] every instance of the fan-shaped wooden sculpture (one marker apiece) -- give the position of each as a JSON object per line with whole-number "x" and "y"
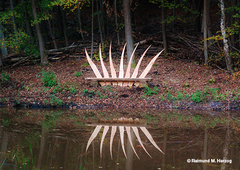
{"x": 121, "y": 80}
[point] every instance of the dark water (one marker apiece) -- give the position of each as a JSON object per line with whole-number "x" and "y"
{"x": 57, "y": 139}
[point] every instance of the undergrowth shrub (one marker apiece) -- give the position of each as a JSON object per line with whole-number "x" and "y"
{"x": 5, "y": 76}
{"x": 49, "y": 78}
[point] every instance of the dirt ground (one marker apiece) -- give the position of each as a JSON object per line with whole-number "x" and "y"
{"x": 176, "y": 80}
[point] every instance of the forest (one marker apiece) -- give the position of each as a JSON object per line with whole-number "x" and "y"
{"x": 39, "y": 35}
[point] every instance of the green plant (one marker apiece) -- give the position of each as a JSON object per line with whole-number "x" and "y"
{"x": 150, "y": 92}
{"x": 88, "y": 93}
{"x": 99, "y": 94}
{"x": 198, "y": 96}
{"x": 55, "y": 100}
{"x": 5, "y": 76}
{"x": 85, "y": 64}
{"x": 179, "y": 95}
{"x": 6, "y": 121}
{"x": 212, "y": 80}
{"x": 57, "y": 88}
{"x": 48, "y": 78}
{"x": 162, "y": 97}
{"x": 78, "y": 73}
{"x": 73, "y": 90}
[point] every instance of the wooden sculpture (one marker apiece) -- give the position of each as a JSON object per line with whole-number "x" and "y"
{"x": 121, "y": 80}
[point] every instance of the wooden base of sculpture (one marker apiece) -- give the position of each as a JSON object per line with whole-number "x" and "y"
{"x": 139, "y": 82}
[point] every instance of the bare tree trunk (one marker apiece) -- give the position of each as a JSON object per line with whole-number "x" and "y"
{"x": 3, "y": 46}
{"x": 99, "y": 22}
{"x": 28, "y": 27}
{"x": 43, "y": 54}
{"x": 205, "y": 31}
{"x": 92, "y": 28}
{"x": 116, "y": 21}
{"x": 1, "y": 64}
{"x": 164, "y": 31}
{"x": 79, "y": 21}
{"x": 209, "y": 22}
{"x": 13, "y": 17}
{"x": 233, "y": 2}
{"x": 102, "y": 9}
{"x": 64, "y": 26}
{"x": 225, "y": 43}
{"x": 128, "y": 28}
{"x": 51, "y": 33}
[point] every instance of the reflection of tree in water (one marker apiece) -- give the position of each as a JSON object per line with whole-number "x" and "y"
{"x": 130, "y": 126}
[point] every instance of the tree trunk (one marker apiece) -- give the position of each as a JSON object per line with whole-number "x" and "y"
{"x": 64, "y": 26}
{"x": 128, "y": 28}
{"x": 43, "y": 55}
{"x": 51, "y": 33}
{"x": 79, "y": 21}
{"x": 225, "y": 42}
{"x": 209, "y": 34}
{"x": 102, "y": 18}
{"x": 116, "y": 21}
{"x": 92, "y": 28}
{"x": 13, "y": 17}
{"x": 233, "y": 3}
{"x": 3, "y": 46}
{"x": 1, "y": 64}
{"x": 99, "y": 22}
{"x": 27, "y": 22}
{"x": 164, "y": 31}
{"x": 205, "y": 31}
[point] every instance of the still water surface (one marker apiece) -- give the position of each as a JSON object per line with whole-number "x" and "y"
{"x": 57, "y": 139}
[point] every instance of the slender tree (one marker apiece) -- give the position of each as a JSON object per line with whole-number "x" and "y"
{"x": 1, "y": 64}
{"x": 51, "y": 32}
{"x": 99, "y": 22}
{"x": 43, "y": 54}
{"x": 13, "y": 17}
{"x": 116, "y": 21}
{"x": 164, "y": 31}
{"x": 64, "y": 26}
{"x": 3, "y": 45}
{"x": 205, "y": 31}
{"x": 92, "y": 28}
{"x": 225, "y": 41}
{"x": 128, "y": 28}
{"x": 79, "y": 21}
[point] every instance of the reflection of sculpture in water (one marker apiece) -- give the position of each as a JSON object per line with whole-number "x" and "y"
{"x": 122, "y": 123}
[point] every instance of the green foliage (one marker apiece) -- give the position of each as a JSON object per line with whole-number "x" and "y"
{"x": 212, "y": 80}
{"x": 99, "y": 94}
{"x": 88, "y": 93}
{"x": 184, "y": 5}
{"x": 55, "y": 100}
{"x": 48, "y": 78}
{"x": 198, "y": 96}
{"x": 73, "y": 90}
{"x": 57, "y": 88}
{"x": 179, "y": 95}
{"x": 149, "y": 91}
{"x": 96, "y": 56}
{"x": 5, "y": 76}
{"x": 78, "y": 73}
{"x": 6, "y": 121}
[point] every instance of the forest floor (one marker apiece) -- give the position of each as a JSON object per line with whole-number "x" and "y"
{"x": 176, "y": 84}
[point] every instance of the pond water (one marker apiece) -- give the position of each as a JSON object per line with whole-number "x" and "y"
{"x": 57, "y": 139}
